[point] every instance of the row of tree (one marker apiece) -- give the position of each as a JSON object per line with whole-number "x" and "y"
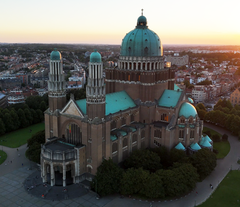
{"x": 22, "y": 115}
{"x": 157, "y": 173}
{"x": 223, "y": 114}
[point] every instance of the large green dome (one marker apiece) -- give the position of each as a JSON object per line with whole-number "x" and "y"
{"x": 187, "y": 110}
{"x": 95, "y": 57}
{"x": 141, "y": 41}
{"x": 55, "y": 55}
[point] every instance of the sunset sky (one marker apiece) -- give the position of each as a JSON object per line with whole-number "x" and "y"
{"x": 213, "y": 22}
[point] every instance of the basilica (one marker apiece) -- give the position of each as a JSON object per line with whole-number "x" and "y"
{"x": 135, "y": 105}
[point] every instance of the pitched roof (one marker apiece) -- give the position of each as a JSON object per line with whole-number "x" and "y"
{"x": 115, "y": 102}
{"x": 169, "y": 98}
{"x": 180, "y": 146}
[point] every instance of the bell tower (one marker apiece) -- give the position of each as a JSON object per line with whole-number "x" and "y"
{"x": 56, "y": 83}
{"x": 95, "y": 90}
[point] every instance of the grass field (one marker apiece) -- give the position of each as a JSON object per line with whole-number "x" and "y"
{"x": 17, "y": 138}
{"x": 211, "y": 130}
{"x": 223, "y": 148}
{"x": 3, "y": 156}
{"x": 227, "y": 193}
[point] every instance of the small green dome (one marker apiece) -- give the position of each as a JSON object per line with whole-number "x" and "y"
{"x": 95, "y": 57}
{"x": 190, "y": 100}
{"x": 195, "y": 146}
{"x": 187, "y": 110}
{"x": 142, "y": 20}
{"x": 180, "y": 146}
{"x": 141, "y": 41}
{"x": 55, "y": 55}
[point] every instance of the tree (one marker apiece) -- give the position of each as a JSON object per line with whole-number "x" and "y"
{"x": 179, "y": 156}
{"x": 22, "y": 118}
{"x": 28, "y": 116}
{"x": 107, "y": 179}
{"x": 153, "y": 186}
{"x": 132, "y": 181}
{"x": 8, "y": 122}
{"x": 40, "y": 115}
{"x": 224, "y": 137}
{"x": 34, "y": 146}
{"x": 201, "y": 106}
{"x": 204, "y": 161}
{"x": 2, "y": 127}
{"x": 43, "y": 106}
{"x": 146, "y": 159}
{"x": 15, "y": 119}
{"x": 163, "y": 153}
{"x": 34, "y": 116}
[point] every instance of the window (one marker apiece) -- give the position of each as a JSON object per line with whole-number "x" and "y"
{"x": 123, "y": 121}
{"x": 114, "y": 147}
{"x": 125, "y": 142}
{"x": 164, "y": 117}
{"x": 142, "y": 134}
{"x": 134, "y": 138}
{"x": 192, "y": 134}
{"x": 181, "y": 133}
{"x": 158, "y": 134}
{"x": 113, "y": 125}
{"x": 132, "y": 118}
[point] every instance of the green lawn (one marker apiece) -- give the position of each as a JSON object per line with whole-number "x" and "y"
{"x": 223, "y": 148}
{"x": 227, "y": 194}
{"x": 3, "y": 156}
{"x": 211, "y": 130}
{"x": 20, "y": 137}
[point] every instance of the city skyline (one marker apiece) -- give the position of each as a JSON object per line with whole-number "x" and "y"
{"x": 105, "y": 22}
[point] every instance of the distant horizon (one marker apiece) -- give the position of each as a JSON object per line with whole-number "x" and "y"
{"x": 176, "y": 22}
{"x": 171, "y": 44}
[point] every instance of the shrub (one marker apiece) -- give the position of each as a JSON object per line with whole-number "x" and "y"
{"x": 216, "y": 138}
{"x": 225, "y": 137}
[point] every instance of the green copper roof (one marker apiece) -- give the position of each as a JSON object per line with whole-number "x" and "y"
{"x": 82, "y": 105}
{"x": 55, "y": 55}
{"x": 195, "y": 146}
{"x": 190, "y": 100}
{"x": 115, "y": 102}
{"x": 206, "y": 137}
{"x": 176, "y": 87}
{"x": 118, "y": 101}
{"x": 205, "y": 143}
{"x": 113, "y": 137}
{"x": 180, "y": 146}
{"x": 141, "y": 41}
{"x": 187, "y": 110}
{"x": 169, "y": 98}
{"x": 95, "y": 57}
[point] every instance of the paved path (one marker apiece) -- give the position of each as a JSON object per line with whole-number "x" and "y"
{"x": 12, "y": 192}
{"x": 12, "y": 155}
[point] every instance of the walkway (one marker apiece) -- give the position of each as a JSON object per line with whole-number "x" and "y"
{"x": 12, "y": 176}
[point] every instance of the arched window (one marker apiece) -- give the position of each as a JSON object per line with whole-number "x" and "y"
{"x": 132, "y": 118}
{"x": 123, "y": 121}
{"x": 181, "y": 133}
{"x": 73, "y": 134}
{"x": 114, "y": 147}
{"x": 182, "y": 120}
{"x": 113, "y": 125}
{"x": 143, "y": 134}
{"x": 192, "y": 133}
{"x": 125, "y": 142}
{"x": 134, "y": 138}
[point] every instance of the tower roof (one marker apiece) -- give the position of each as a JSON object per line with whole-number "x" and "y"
{"x": 95, "y": 57}
{"x": 141, "y": 41}
{"x": 55, "y": 55}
